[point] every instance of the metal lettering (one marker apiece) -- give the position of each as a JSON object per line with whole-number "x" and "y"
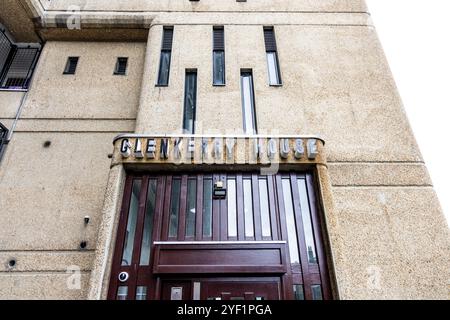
{"x": 271, "y": 149}
{"x": 191, "y": 149}
{"x": 218, "y": 148}
{"x": 257, "y": 148}
{"x": 177, "y": 148}
{"x": 299, "y": 149}
{"x": 230, "y": 143}
{"x": 151, "y": 149}
{"x": 164, "y": 150}
{"x": 138, "y": 149}
{"x": 284, "y": 148}
{"x": 312, "y": 149}
{"x": 205, "y": 148}
{"x": 125, "y": 148}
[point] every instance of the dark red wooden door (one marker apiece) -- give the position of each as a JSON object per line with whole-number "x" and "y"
{"x": 175, "y": 210}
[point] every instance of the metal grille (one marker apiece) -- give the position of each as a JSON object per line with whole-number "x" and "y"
{"x": 16, "y": 63}
{"x": 20, "y": 69}
{"x": 219, "y": 43}
{"x": 269, "y": 38}
{"x": 167, "y": 39}
{"x": 5, "y": 49}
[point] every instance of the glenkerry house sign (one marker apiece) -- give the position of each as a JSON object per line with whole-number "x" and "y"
{"x": 202, "y": 149}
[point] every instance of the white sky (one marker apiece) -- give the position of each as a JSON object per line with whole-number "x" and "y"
{"x": 415, "y": 35}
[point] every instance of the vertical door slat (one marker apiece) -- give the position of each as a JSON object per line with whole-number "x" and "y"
{"x": 318, "y": 237}
{"x": 166, "y": 213}
{"x": 199, "y": 209}
{"x": 138, "y": 240}
{"x": 120, "y": 239}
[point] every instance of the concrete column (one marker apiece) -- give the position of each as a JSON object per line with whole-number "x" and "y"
{"x": 98, "y": 285}
{"x": 331, "y": 225}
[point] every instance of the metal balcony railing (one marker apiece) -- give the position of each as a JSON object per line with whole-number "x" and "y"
{"x": 17, "y": 62}
{"x": 3, "y": 137}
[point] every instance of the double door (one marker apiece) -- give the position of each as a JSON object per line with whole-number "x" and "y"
{"x": 228, "y": 212}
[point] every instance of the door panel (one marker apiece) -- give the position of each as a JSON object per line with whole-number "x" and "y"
{"x": 176, "y": 290}
{"x": 238, "y": 289}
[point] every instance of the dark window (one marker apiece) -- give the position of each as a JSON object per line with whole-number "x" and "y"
{"x": 248, "y": 102}
{"x": 71, "y": 65}
{"x": 272, "y": 57}
{"x": 218, "y": 56}
{"x": 166, "y": 53}
{"x": 190, "y": 102}
{"x": 121, "y": 66}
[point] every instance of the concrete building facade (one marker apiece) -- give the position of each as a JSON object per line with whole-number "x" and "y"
{"x": 240, "y": 146}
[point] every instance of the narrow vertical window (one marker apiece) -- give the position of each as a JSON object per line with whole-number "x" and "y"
{"x": 272, "y": 57}
{"x": 191, "y": 207}
{"x": 232, "y": 216}
{"x": 218, "y": 56}
{"x": 121, "y": 67}
{"x": 190, "y": 102}
{"x": 248, "y": 102}
{"x": 131, "y": 224}
{"x": 299, "y": 294}
{"x": 174, "y": 208}
{"x": 166, "y": 54}
{"x": 307, "y": 223}
{"x": 148, "y": 223}
{"x": 248, "y": 208}
{"x": 207, "y": 207}
{"x": 264, "y": 207}
{"x": 291, "y": 225}
{"x": 71, "y": 65}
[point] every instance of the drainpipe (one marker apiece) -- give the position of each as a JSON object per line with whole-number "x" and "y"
{"x": 9, "y": 133}
{"x": 22, "y": 103}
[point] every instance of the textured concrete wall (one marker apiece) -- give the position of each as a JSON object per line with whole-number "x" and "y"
{"x": 15, "y": 16}
{"x": 94, "y": 91}
{"x": 337, "y": 84}
{"x": 47, "y": 192}
{"x": 210, "y": 5}
{"x": 9, "y": 103}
